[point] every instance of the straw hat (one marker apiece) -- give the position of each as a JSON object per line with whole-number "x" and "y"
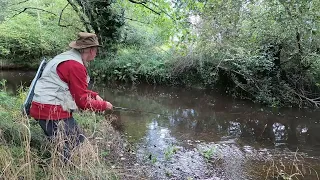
{"x": 85, "y": 40}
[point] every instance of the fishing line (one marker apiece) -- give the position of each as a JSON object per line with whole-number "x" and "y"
{"x": 115, "y": 108}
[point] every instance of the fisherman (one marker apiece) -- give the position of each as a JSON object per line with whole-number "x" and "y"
{"x": 63, "y": 88}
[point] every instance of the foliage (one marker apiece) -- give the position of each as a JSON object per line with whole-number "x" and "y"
{"x": 261, "y": 48}
{"x": 132, "y": 65}
{"x": 26, "y": 37}
{"x": 100, "y": 17}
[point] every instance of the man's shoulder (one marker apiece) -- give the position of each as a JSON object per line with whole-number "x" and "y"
{"x": 71, "y": 64}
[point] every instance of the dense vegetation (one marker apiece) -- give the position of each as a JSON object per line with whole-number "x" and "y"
{"x": 266, "y": 51}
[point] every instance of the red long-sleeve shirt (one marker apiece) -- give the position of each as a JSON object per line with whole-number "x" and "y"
{"x": 75, "y": 75}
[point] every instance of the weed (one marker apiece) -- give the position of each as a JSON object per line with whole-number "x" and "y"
{"x": 208, "y": 153}
{"x": 3, "y": 85}
{"x": 154, "y": 160}
{"x": 169, "y": 152}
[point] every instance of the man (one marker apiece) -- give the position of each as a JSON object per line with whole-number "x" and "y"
{"x": 62, "y": 89}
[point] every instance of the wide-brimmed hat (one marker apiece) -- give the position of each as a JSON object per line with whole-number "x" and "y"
{"x": 85, "y": 40}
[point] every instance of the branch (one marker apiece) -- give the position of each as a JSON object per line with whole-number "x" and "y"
{"x": 314, "y": 101}
{"x": 60, "y": 17}
{"x": 59, "y": 22}
{"x": 136, "y": 2}
{"x": 22, "y": 2}
{"x": 143, "y": 3}
{"x": 136, "y": 20}
{"x": 75, "y": 8}
{"x": 19, "y": 2}
{"x": 150, "y": 9}
{"x": 32, "y": 8}
{"x": 161, "y": 10}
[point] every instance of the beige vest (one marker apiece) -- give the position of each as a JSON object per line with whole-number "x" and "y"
{"x": 50, "y": 89}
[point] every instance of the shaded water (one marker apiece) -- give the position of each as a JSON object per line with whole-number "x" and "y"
{"x": 14, "y": 79}
{"x": 199, "y": 134}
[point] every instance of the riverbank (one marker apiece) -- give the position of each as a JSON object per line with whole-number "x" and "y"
{"x": 6, "y": 65}
{"x": 26, "y": 153}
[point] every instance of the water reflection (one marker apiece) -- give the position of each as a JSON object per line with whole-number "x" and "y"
{"x": 208, "y": 116}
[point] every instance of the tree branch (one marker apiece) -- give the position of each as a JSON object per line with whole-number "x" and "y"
{"x": 19, "y": 2}
{"x": 75, "y": 8}
{"x": 150, "y": 9}
{"x": 314, "y": 101}
{"x": 60, "y": 18}
{"x": 161, "y": 9}
{"x": 136, "y": 20}
{"x": 32, "y": 8}
{"x": 143, "y": 3}
{"x": 136, "y": 2}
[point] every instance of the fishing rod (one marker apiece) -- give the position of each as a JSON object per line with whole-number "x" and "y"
{"x": 115, "y": 108}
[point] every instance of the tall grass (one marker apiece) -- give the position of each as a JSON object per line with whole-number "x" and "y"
{"x": 25, "y": 152}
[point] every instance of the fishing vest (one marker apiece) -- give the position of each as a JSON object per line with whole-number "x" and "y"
{"x": 50, "y": 89}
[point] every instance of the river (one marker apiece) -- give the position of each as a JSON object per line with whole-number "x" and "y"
{"x": 189, "y": 133}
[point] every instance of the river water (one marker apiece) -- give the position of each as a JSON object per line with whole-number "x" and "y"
{"x": 185, "y": 133}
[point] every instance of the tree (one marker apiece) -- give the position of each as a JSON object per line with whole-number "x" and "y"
{"x": 268, "y": 47}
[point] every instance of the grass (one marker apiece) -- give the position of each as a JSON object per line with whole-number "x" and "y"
{"x": 290, "y": 169}
{"x": 25, "y": 152}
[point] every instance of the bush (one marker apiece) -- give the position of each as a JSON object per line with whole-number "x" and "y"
{"x": 132, "y": 65}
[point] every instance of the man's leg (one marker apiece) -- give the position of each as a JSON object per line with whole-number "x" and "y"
{"x": 49, "y": 127}
{"x": 71, "y": 132}
{"x": 70, "y": 127}
{"x": 73, "y": 136}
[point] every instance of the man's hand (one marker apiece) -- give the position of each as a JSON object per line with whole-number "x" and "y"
{"x": 109, "y": 106}
{"x": 99, "y": 98}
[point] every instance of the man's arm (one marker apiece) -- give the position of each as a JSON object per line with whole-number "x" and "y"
{"x": 75, "y": 75}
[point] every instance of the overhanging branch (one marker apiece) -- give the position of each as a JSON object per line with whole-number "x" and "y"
{"x": 60, "y": 16}
{"x": 81, "y": 16}
{"x": 26, "y": 8}
{"x": 143, "y": 3}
